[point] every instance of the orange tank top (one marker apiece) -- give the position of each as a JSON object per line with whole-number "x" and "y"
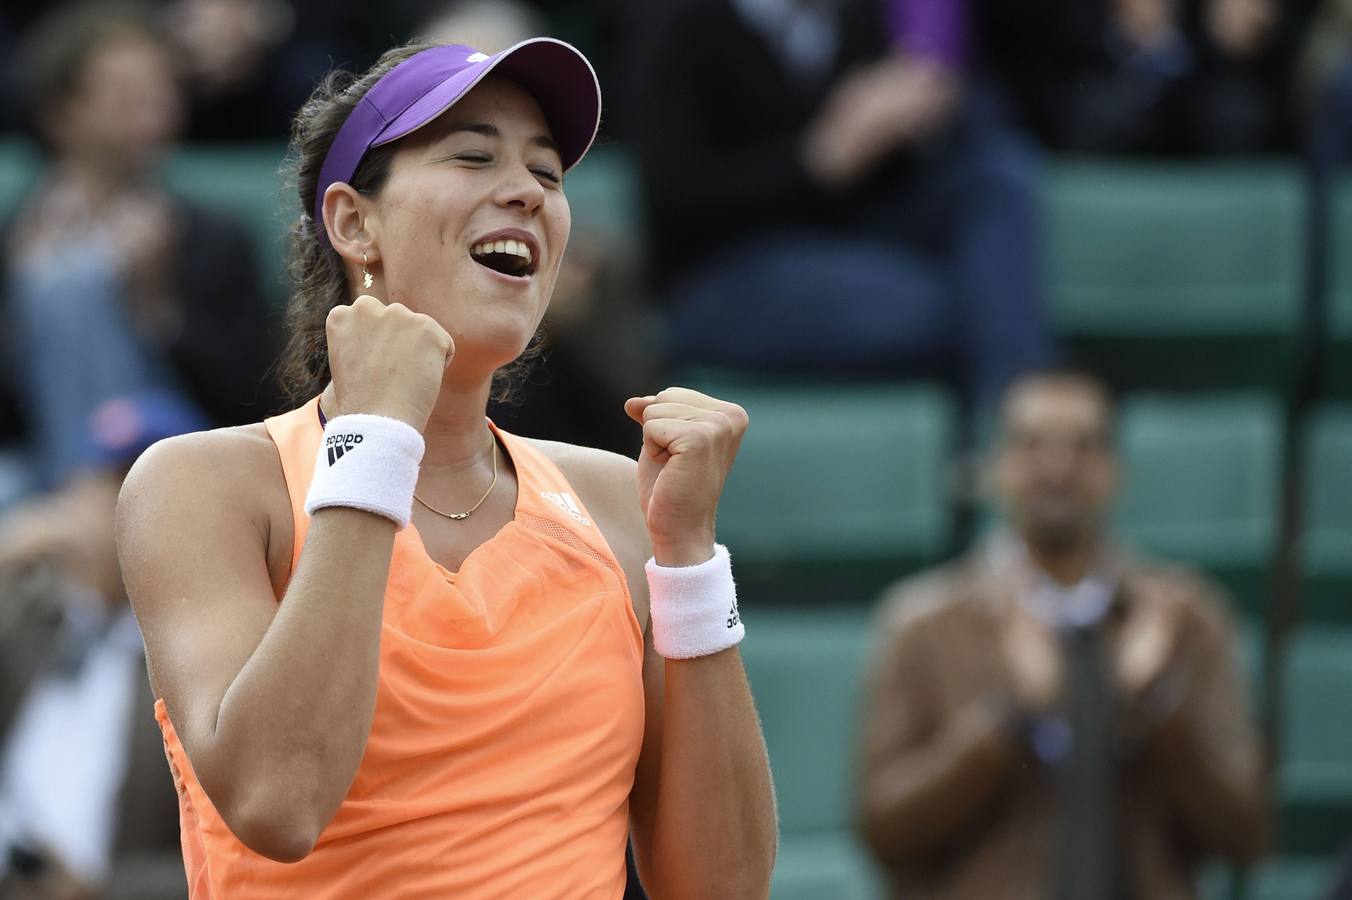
{"x": 508, "y": 718}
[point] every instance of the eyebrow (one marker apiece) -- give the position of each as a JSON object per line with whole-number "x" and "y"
{"x": 488, "y": 130}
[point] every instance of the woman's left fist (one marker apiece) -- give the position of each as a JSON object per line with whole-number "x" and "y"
{"x": 689, "y": 443}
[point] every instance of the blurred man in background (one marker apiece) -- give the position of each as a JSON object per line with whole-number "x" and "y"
{"x": 1052, "y": 718}
{"x": 828, "y": 191}
{"x": 87, "y": 807}
{"x": 109, "y": 283}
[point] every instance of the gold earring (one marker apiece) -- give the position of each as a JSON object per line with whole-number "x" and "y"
{"x": 365, "y": 274}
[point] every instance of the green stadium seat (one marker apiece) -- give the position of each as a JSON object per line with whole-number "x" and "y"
{"x": 838, "y": 488}
{"x": 245, "y": 181}
{"x": 1315, "y": 772}
{"x": 1149, "y": 264}
{"x": 805, "y": 668}
{"x": 1291, "y": 878}
{"x": 1216, "y": 882}
{"x": 18, "y": 167}
{"x": 1251, "y": 653}
{"x": 1326, "y": 541}
{"x": 1202, "y": 485}
{"x": 826, "y": 866}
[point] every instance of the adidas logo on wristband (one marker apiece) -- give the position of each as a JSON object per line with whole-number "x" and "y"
{"x": 379, "y": 479}
{"x": 735, "y": 615}
{"x": 338, "y": 444}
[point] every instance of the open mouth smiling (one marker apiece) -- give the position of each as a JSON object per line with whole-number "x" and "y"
{"x": 515, "y": 257}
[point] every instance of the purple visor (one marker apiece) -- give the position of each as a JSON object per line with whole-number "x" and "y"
{"x": 427, "y": 84}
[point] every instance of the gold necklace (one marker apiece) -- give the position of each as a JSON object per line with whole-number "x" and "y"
{"x": 467, "y": 513}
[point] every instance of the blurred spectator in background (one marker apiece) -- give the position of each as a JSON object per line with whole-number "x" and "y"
{"x": 250, "y": 64}
{"x": 245, "y": 66}
{"x": 87, "y": 808}
{"x": 491, "y": 25}
{"x": 110, "y": 284}
{"x": 1052, "y": 718}
{"x": 828, "y": 191}
{"x": 1206, "y": 77}
{"x": 1326, "y": 84}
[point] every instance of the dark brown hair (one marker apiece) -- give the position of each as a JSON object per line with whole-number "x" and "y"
{"x": 319, "y": 281}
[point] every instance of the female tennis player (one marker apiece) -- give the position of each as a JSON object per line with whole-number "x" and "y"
{"x": 399, "y": 652}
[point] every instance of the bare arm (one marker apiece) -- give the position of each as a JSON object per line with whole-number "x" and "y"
{"x": 273, "y": 703}
{"x": 702, "y": 812}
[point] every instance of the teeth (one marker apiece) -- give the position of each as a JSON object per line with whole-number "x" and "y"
{"x": 512, "y": 247}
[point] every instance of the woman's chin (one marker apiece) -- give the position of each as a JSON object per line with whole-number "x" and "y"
{"x": 485, "y": 353}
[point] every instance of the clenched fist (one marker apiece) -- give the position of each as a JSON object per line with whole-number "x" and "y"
{"x": 689, "y": 443}
{"x": 386, "y": 360}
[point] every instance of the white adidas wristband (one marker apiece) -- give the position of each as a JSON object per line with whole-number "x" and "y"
{"x": 694, "y": 608}
{"x": 368, "y": 463}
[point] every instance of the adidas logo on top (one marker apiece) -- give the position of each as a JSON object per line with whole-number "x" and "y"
{"x": 566, "y": 503}
{"x": 338, "y": 444}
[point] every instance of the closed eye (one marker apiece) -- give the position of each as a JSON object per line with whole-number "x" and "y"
{"x": 548, "y": 174}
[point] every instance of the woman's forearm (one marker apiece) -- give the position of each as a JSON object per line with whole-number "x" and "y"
{"x": 292, "y": 727}
{"x": 715, "y": 833}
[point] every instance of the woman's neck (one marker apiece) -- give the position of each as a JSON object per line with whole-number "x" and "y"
{"x": 457, "y": 434}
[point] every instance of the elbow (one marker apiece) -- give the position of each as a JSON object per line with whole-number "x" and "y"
{"x": 1251, "y": 837}
{"x": 744, "y": 877}
{"x": 282, "y": 846}
{"x": 746, "y": 885}
{"x": 901, "y": 811}
{"x": 756, "y": 872}
{"x": 271, "y": 836}
{"x": 1241, "y": 846}
{"x": 886, "y": 834}
{"x": 1234, "y": 819}
{"x": 754, "y": 886}
{"x": 272, "y": 826}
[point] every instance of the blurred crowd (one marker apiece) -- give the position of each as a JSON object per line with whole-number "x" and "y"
{"x": 829, "y": 188}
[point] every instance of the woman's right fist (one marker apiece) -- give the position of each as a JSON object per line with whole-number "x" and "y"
{"x": 386, "y": 360}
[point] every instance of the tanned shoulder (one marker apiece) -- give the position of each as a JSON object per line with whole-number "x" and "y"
{"x": 227, "y": 471}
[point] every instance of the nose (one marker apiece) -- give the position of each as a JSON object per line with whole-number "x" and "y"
{"x": 520, "y": 189}
{"x": 1059, "y": 460}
